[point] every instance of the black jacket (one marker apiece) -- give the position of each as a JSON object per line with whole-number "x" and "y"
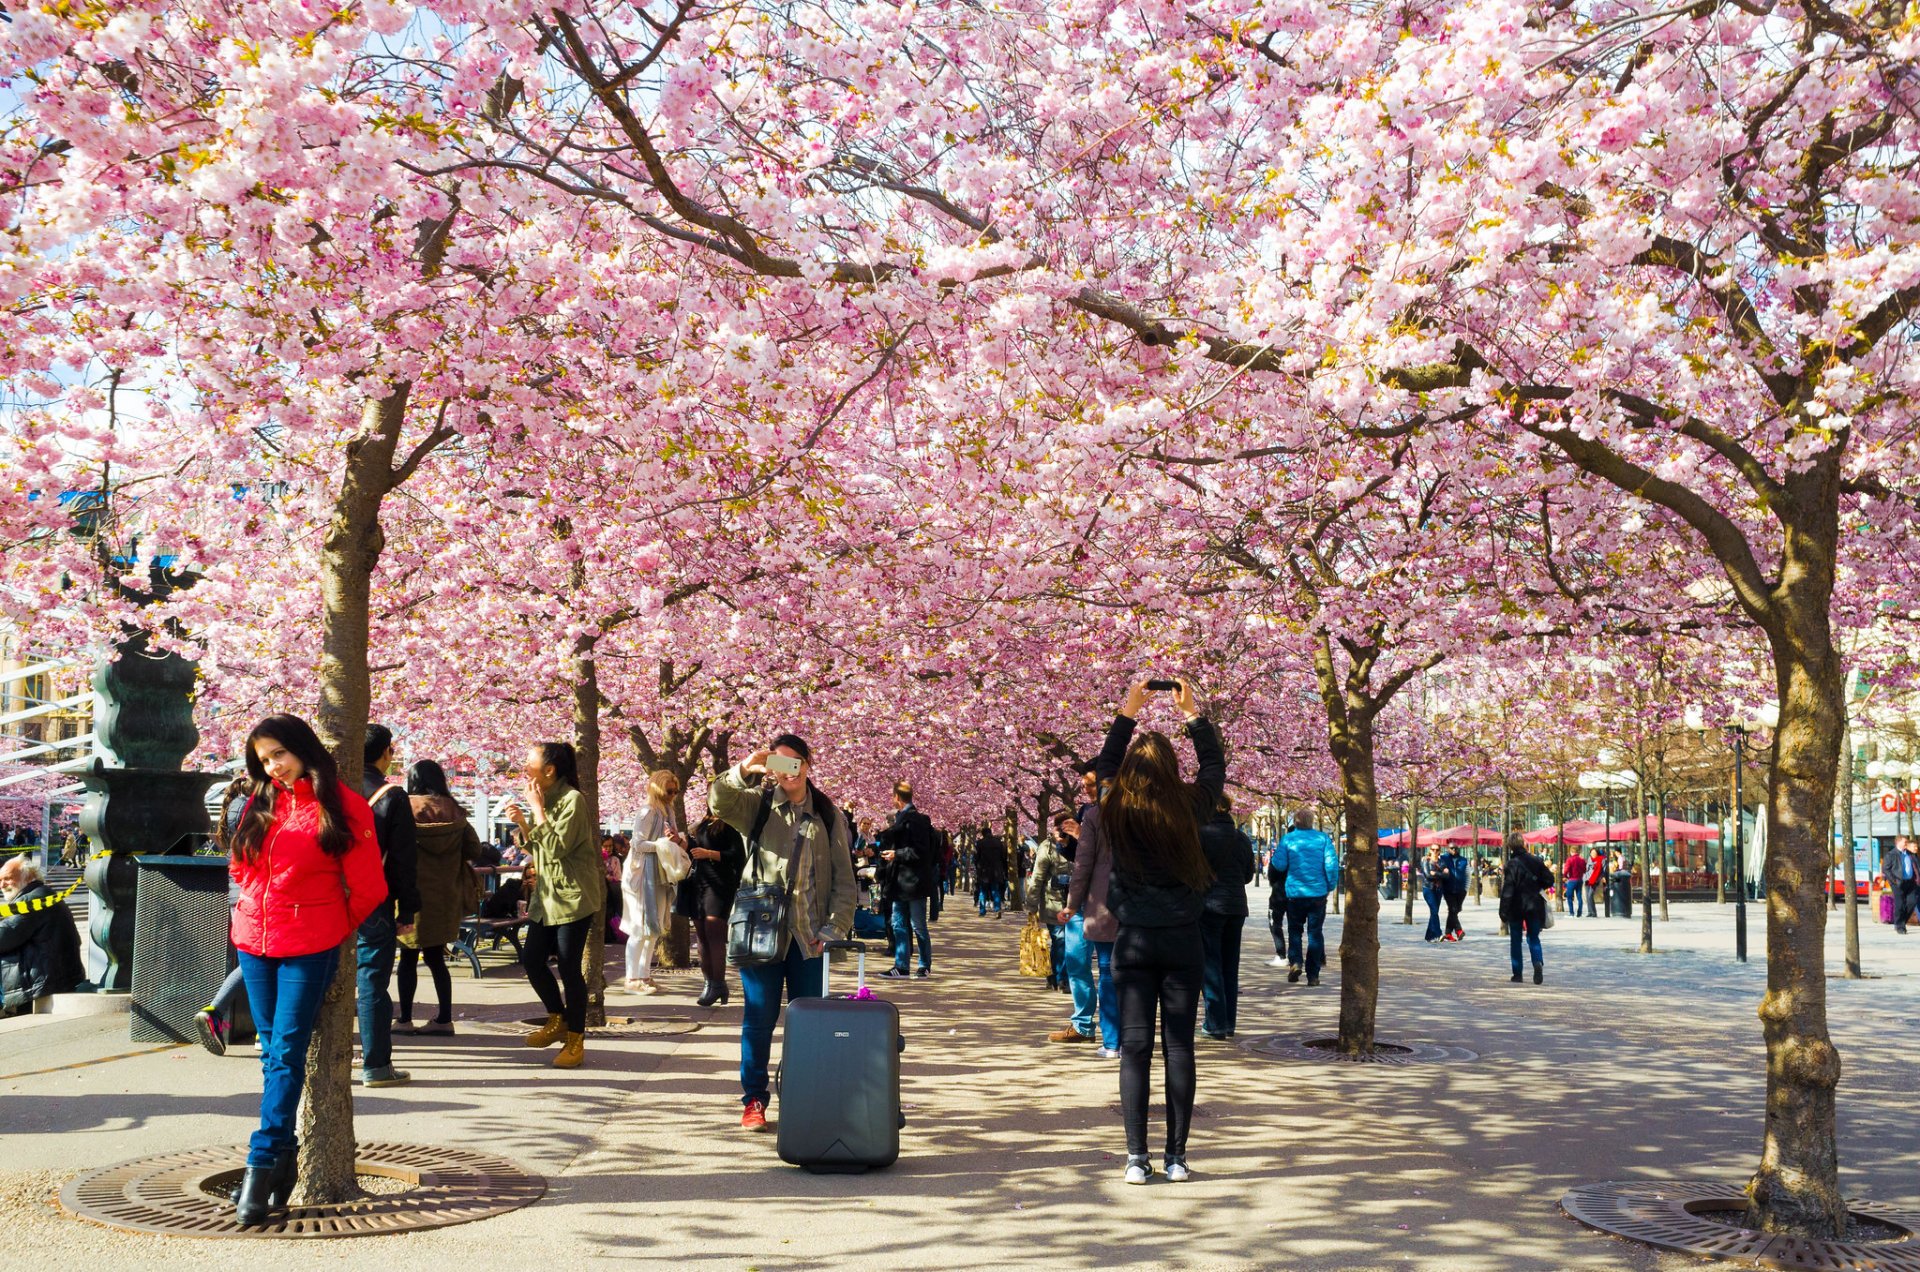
{"x": 1155, "y": 898}
{"x": 1230, "y": 853}
{"x": 393, "y": 826}
{"x": 916, "y": 866}
{"x": 722, "y": 877}
{"x": 1521, "y": 887}
{"x": 990, "y": 863}
{"x": 39, "y": 951}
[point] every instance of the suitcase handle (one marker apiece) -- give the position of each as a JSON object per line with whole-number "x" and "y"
{"x": 826, "y": 964}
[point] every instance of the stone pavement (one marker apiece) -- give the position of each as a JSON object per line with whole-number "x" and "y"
{"x": 1620, "y": 1066}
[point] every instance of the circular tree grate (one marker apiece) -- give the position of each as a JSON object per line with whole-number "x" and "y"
{"x": 180, "y": 1194}
{"x": 1320, "y": 1050}
{"x": 1673, "y": 1215}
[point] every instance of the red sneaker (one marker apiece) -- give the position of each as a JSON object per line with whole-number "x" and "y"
{"x": 755, "y": 1118}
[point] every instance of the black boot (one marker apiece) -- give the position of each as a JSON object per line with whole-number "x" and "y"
{"x": 715, "y": 992}
{"x": 286, "y": 1173}
{"x": 251, "y": 1204}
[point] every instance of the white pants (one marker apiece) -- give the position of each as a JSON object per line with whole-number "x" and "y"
{"x": 639, "y": 948}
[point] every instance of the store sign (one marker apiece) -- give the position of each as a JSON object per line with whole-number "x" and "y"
{"x": 1900, "y": 801}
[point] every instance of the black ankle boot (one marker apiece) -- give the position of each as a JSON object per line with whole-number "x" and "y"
{"x": 286, "y": 1173}
{"x": 715, "y": 992}
{"x": 251, "y": 1204}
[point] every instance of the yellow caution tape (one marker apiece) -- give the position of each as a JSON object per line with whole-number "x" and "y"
{"x": 10, "y": 908}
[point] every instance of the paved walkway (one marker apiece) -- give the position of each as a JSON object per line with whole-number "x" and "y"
{"x": 1619, "y": 1066}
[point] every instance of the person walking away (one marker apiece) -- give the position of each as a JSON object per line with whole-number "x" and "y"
{"x": 1523, "y": 903}
{"x": 990, "y": 871}
{"x": 1596, "y": 877}
{"x": 1087, "y": 892}
{"x": 1277, "y": 903}
{"x": 1313, "y": 872}
{"x": 648, "y": 897}
{"x": 705, "y": 898}
{"x": 569, "y": 891}
{"x": 445, "y": 852}
{"x": 39, "y": 944}
{"x": 1223, "y": 917}
{"x": 306, "y": 859}
{"x": 1905, "y": 879}
{"x": 906, "y": 846}
{"x": 1433, "y": 891}
{"x": 1049, "y": 890}
{"x": 1453, "y": 890}
{"x": 795, "y": 838}
{"x": 380, "y": 934}
{"x": 1151, "y": 820}
{"x": 1575, "y": 874}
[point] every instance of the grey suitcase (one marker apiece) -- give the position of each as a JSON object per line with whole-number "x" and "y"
{"x": 840, "y": 1080}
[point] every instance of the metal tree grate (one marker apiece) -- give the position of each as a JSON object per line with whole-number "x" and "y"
{"x": 1314, "y": 1049}
{"x": 177, "y": 1194}
{"x": 1670, "y": 1215}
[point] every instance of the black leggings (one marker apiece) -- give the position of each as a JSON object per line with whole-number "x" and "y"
{"x": 436, "y": 957}
{"x": 1157, "y": 968}
{"x": 567, "y": 941}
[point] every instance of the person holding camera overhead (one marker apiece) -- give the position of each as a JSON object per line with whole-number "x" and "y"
{"x": 1149, "y": 822}
{"x": 569, "y": 890}
{"x": 797, "y": 842}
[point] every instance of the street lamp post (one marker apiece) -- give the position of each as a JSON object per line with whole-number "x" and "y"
{"x": 1739, "y": 849}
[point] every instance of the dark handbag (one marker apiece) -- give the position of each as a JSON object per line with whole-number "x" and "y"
{"x": 758, "y": 924}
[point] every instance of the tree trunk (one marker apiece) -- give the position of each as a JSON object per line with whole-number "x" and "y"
{"x": 586, "y": 745}
{"x": 1660, "y": 815}
{"x": 1413, "y": 847}
{"x": 1646, "y": 872}
{"x": 1360, "y": 928}
{"x": 1844, "y": 782}
{"x": 348, "y": 555}
{"x": 1797, "y": 1187}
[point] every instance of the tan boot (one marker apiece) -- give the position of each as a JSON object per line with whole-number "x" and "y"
{"x": 573, "y": 1053}
{"x": 549, "y": 1033}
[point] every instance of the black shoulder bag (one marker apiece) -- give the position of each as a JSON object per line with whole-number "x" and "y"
{"x": 759, "y": 919}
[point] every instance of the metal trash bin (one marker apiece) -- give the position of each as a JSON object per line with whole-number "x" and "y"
{"x": 181, "y": 953}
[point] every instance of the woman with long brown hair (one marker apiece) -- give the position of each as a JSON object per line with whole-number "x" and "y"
{"x": 1149, "y": 823}
{"x": 308, "y": 867}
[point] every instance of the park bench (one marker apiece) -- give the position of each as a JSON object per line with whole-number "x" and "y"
{"x": 474, "y": 930}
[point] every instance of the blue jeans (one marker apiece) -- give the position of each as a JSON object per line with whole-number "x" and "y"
{"x": 1109, "y": 996}
{"x": 1532, "y": 927}
{"x": 990, "y": 893}
{"x": 909, "y": 921}
{"x": 799, "y": 977}
{"x": 1573, "y": 898}
{"x": 1433, "y": 913}
{"x": 1307, "y": 913}
{"x": 375, "y": 952}
{"x": 285, "y": 994}
{"x": 1078, "y": 964}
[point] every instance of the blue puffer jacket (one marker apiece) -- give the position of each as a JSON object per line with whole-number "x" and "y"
{"x": 1313, "y": 867}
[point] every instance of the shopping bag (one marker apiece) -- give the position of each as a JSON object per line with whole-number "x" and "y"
{"x": 1036, "y": 952}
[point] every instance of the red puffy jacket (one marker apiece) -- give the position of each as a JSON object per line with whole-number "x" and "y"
{"x": 295, "y": 897}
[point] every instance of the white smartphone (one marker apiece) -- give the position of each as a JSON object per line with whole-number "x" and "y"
{"x": 784, "y": 765}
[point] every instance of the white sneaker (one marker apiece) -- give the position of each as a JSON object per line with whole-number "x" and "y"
{"x": 1277, "y": 962}
{"x": 1177, "y": 1172}
{"x": 1139, "y": 1170}
{"x": 1108, "y": 1053}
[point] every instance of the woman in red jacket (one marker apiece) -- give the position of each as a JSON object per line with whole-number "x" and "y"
{"x": 308, "y": 868}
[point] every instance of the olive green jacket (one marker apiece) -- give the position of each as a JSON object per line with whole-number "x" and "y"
{"x": 1045, "y": 897}
{"x": 817, "y": 869}
{"x": 571, "y": 882}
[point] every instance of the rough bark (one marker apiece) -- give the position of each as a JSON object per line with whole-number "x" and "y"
{"x": 1796, "y": 1188}
{"x": 586, "y": 746}
{"x": 348, "y": 555}
{"x": 1412, "y": 849}
{"x": 1360, "y": 927}
{"x": 1646, "y": 872}
{"x": 1660, "y": 846}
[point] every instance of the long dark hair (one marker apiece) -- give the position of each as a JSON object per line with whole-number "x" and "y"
{"x": 425, "y": 777}
{"x": 298, "y": 737}
{"x": 1147, "y": 815}
{"x": 566, "y": 764}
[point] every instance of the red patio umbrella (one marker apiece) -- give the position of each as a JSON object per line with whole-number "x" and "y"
{"x": 1670, "y": 828}
{"x": 1577, "y": 832}
{"x": 1399, "y": 839}
{"x": 1458, "y": 836}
